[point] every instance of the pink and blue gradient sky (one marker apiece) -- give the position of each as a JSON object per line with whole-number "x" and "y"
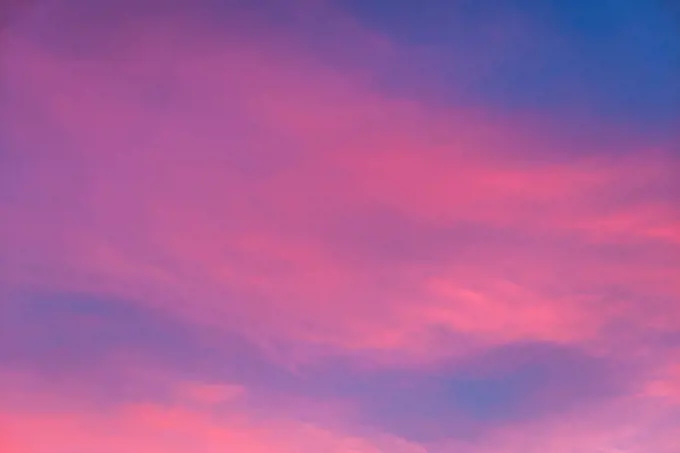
{"x": 302, "y": 226}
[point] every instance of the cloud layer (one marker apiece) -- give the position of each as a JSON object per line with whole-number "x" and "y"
{"x": 258, "y": 228}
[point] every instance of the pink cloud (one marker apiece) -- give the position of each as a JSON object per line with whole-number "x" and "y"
{"x": 147, "y": 427}
{"x": 241, "y": 183}
{"x": 227, "y": 183}
{"x": 211, "y": 394}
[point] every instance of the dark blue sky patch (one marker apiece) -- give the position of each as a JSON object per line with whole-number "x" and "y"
{"x": 532, "y": 379}
{"x": 68, "y": 329}
{"x": 502, "y": 386}
{"x": 610, "y": 61}
{"x": 68, "y": 335}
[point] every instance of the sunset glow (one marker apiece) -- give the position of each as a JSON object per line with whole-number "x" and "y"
{"x": 339, "y": 226}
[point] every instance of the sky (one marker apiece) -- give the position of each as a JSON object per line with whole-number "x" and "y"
{"x": 339, "y": 226}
